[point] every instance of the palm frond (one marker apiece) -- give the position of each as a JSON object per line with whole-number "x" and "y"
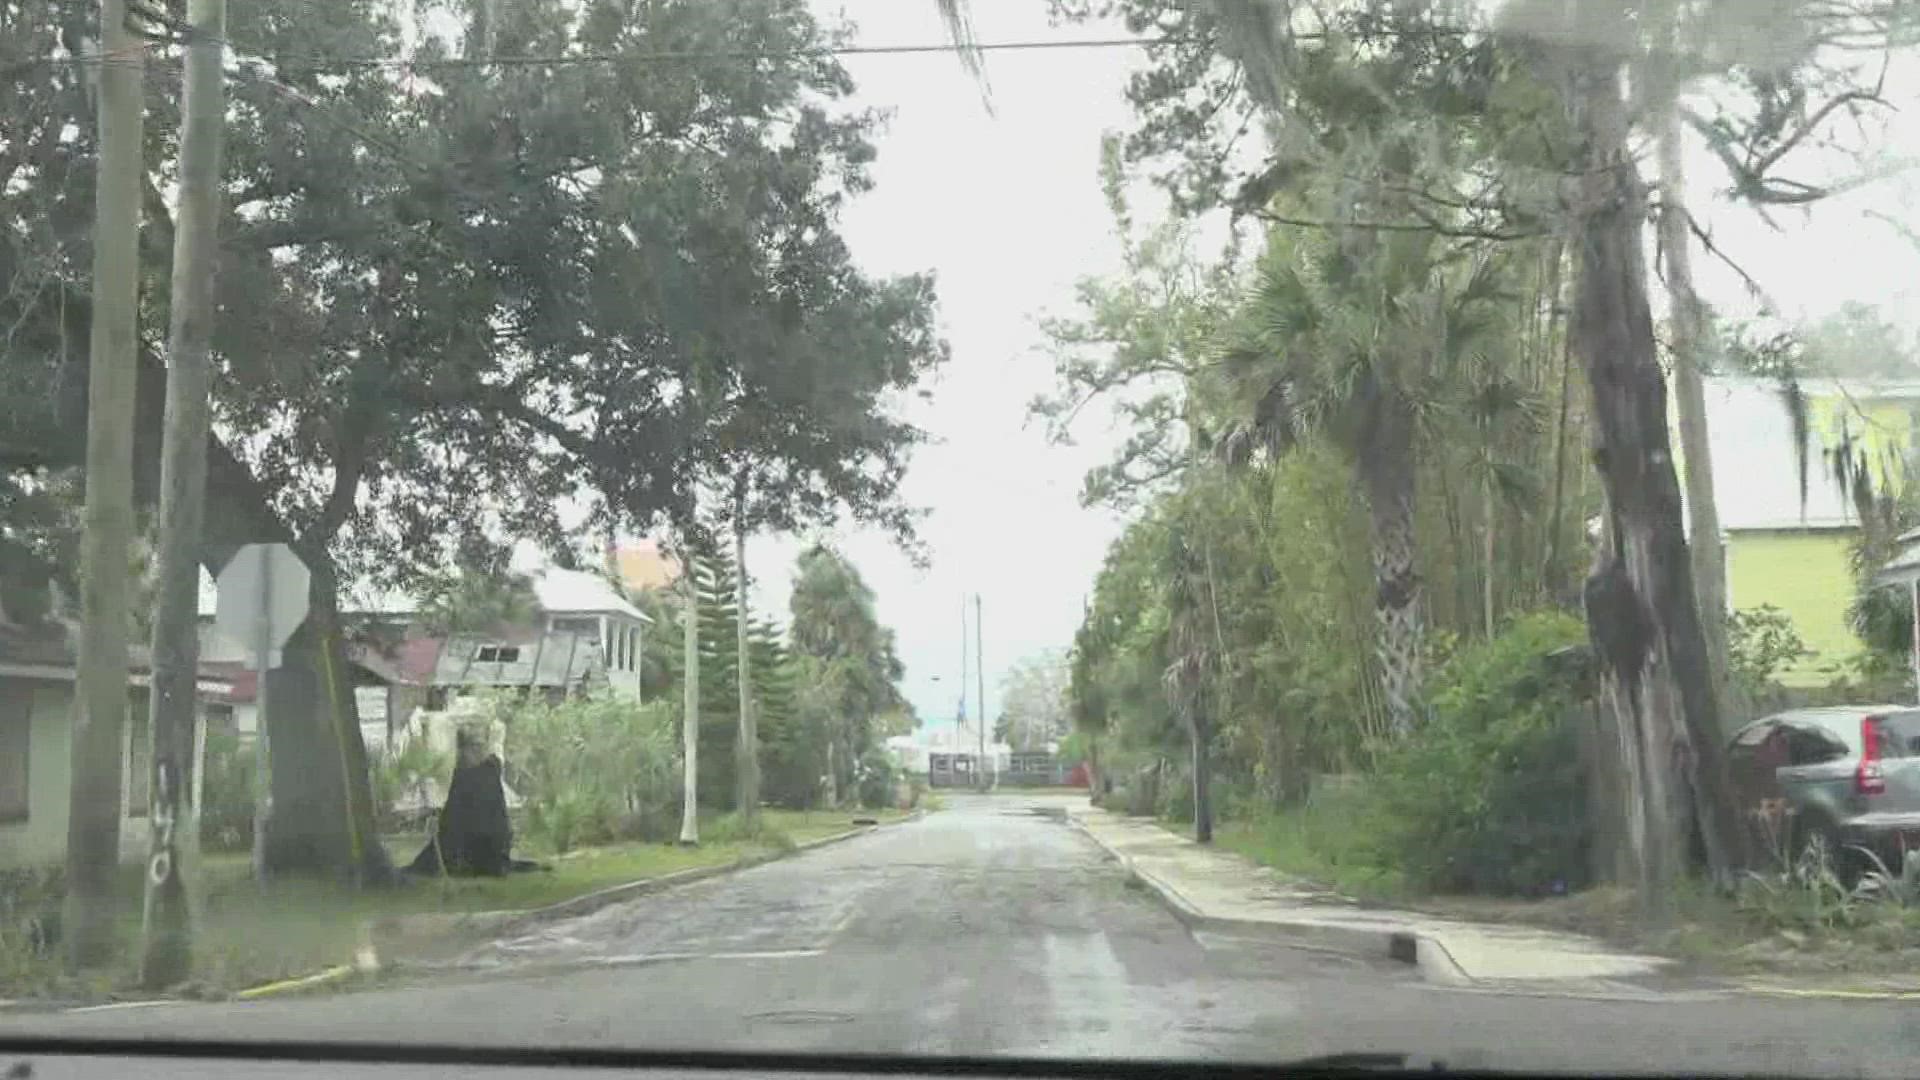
{"x": 1516, "y": 485}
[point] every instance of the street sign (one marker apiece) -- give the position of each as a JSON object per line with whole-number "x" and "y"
{"x": 262, "y": 600}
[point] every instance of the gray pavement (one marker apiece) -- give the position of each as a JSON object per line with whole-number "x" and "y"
{"x": 993, "y": 927}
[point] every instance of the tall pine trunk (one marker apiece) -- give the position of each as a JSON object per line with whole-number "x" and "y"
{"x": 1641, "y": 614}
{"x": 747, "y": 758}
{"x": 1689, "y": 344}
{"x": 1556, "y": 513}
{"x": 1387, "y": 474}
{"x": 690, "y": 713}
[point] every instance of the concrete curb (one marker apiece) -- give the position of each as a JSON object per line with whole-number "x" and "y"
{"x": 1425, "y": 953}
{"x": 1827, "y": 994}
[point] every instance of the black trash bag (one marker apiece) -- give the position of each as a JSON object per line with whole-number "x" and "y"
{"x": 475, "y": 836}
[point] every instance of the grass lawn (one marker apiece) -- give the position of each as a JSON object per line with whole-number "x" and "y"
{"x": 252, "y": 935}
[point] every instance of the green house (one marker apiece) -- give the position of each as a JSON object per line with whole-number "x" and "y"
{"x": 1783, "y": 550}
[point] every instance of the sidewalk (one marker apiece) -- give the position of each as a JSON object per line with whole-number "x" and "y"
{"x": 1221, "y": 891}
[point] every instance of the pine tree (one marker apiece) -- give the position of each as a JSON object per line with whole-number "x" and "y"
{"x": 719, "y": 693}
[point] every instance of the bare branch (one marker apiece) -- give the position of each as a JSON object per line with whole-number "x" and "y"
{"x": 1454, "y": 231}
{"x": 1753, "y": 285}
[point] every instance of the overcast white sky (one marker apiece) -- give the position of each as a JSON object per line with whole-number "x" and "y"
{"x": 1006, "y": 210}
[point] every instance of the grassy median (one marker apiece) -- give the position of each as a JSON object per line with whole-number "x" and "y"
{"x": 250, "y": 935}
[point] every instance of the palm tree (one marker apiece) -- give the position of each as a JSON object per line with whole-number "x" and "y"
{"x": 1362, "y": 344}
{"x": 1196, "y": 651}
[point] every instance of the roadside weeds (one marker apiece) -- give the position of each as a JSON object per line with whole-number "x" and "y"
{"x": 1770, "y": 938}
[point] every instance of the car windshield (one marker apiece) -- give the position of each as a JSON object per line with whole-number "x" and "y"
{"x": 1188, "y": 530}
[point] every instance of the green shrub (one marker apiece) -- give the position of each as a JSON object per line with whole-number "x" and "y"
{"x": 1489, "y": 795}
{"x": 874, "y": 780}
{"x": 30, "y": 899}
{"x": 226, "y": 795}
{"x": 594, "y": 768}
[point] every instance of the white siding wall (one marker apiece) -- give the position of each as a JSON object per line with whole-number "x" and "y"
{"x": 42, "y": 838}
{"x": 623, "y": 672}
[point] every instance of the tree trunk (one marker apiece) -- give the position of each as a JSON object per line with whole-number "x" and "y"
{"x": 747, "y": 756}
{"x": 690, "y": 718}
{"x": 1487, "y": 551}
{"x": 1202, "y": 732}
{"x": 1640, "y": 604}
{"x": 1689, "y": 343}
{"x": 239, "y": 511}
{"x": 833, "y": 774}
{"x": 1387, "y": 473}
{"x": 167, "y": 920}
{"x": 1093, "y": 770}
{"x": 322, "y": 801}
{"x": 1549, "y": 563}
{"x": 100, "y": 701}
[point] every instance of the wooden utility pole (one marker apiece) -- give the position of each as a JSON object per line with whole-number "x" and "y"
{"x": 167, "y": 923}
{"x": 100, "y": 705}
{"x": 690, "y": 713}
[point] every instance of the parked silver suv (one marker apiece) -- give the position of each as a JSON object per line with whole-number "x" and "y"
{"x": 1818, "y": 784}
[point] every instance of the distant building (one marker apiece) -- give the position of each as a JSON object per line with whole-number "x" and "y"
{"x": 946, "y": 754}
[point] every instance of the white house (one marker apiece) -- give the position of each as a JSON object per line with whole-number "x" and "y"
{"x": 36, "y": 748}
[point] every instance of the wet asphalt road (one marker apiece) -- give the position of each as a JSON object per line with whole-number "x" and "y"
{"x": 995, "y": 928}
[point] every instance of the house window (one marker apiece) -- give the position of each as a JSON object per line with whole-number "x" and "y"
{"x": 498, "y": 654}
{"x": 16, "y": 733}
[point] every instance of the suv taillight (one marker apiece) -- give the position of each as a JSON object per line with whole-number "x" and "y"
{"x": 1867, "y": 779}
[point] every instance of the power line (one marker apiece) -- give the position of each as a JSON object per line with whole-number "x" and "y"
{"x": 316, "y": 62}
{"x": 681, "y": 55}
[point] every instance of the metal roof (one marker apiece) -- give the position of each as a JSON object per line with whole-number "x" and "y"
{"x": 558, "y": 659}
{"x": 1904, "y": 567}
{"x": 557, "y": 591}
